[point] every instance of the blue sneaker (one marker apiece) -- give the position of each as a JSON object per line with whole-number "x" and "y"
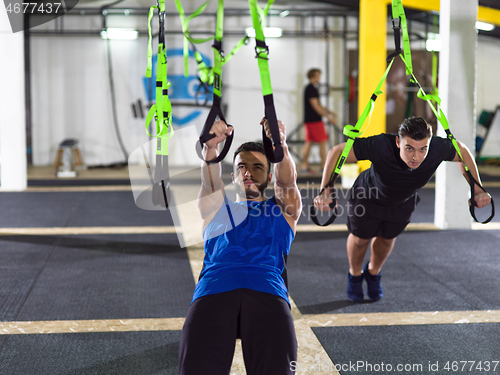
{"x": 374, "y": 287}
{"x": 355, "y": 287}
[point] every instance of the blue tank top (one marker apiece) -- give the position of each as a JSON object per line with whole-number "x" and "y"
{"x": 246, "y": 246}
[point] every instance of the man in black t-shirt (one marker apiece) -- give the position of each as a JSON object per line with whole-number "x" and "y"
{"x": 384, "y": 196}
{"x": 314, "y": 127}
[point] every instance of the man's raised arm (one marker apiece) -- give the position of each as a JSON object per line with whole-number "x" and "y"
{"x": 482, "y": 198}
{"x": 211, "y": 179}
{"x": 285, "y": 186}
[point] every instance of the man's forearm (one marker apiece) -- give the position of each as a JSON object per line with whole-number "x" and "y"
{"x": 211, "y": 173}
{"x": 285, "y": 171}
{"x": 326, "y": 112}
{"x": 469, "y": 161}
{"x": 331, "y": 163}
{"x": 481, "y": 198}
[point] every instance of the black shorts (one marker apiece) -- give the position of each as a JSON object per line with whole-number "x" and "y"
{"x": 367, "y": 219}
{"x": 262, "y": 321}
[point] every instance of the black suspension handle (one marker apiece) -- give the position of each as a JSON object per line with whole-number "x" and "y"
{"x": 272, "y": 147}
{"x": 222, "y": 154}
{"x": 313, "y": 214}
{"x": 472, "y": 211}
{"x": 333, "y": 206}
{"x": 206, "y": 136}
{"x": 473, "y": 204}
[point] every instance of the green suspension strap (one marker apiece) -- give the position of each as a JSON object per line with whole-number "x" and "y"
{"x": 205, "y": 73}
{"x": 243, "y": 41}
{"x": 351, "y": 132}
{"x": 400, "y": 29}
{"x": 208, "y": 75}
{"x": 273, "y": 148}
{"x": 216, "y": 109}
{"x": 399, "y": 26}
{"x": 213, "y": 75}
{"x": 161, "y": 111}
{"x": 444, "y": 123}
{"x": 398, "y": 12}
{"x": 185, "y": 30}
{"x": 205, "y": 76}
{"x": 435, "y": 90}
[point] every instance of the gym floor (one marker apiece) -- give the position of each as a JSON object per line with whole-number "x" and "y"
{"x": 91, "y": 284}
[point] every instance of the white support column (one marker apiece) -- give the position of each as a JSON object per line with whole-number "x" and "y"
{"x": 457, "y": 89}
{"x": 13, "y": 174}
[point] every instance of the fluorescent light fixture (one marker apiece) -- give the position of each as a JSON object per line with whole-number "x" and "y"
{"x": 433, "y": 45}
{"x": 484, "y": 26}
{"x": 114, "y": 33}
{"x": 284, "y": 13}
{"x": 269, "y": 32}
{"x": 433, "y": 42}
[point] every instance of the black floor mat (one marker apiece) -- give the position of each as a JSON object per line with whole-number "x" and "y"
{"x": 427, "y": 271}
{"x": 61, "y": 209}
{"x": 413, "y": 350}
{"x": 109, "y": 353}
{"x": 94, "y": 277}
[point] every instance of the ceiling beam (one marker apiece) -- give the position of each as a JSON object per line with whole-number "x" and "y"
{"x": 484, "y": 14}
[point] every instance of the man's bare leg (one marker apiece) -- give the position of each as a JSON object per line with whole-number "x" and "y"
{"x": 380, "y": 250}
{"x": 356, "y": 250}
{"x": 305, "y": 155}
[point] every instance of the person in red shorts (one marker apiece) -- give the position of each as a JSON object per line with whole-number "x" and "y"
{"x": 314, "y": 127}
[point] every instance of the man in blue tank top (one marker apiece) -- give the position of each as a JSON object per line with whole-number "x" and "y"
{"x": 242, "y": 290}
{"x": 384, "y": 196}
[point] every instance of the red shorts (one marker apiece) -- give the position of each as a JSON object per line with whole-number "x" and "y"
{"x": 315, "y": 131}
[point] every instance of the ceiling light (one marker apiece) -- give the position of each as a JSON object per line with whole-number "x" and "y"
{"x": 433, "y": 42}
{"x": 433, "y": 45}
{"x": 113, "y": 33}
{"x": 284, "y": 13}
{"x": 484, "y": 26}
{"x": 269, "y": 32}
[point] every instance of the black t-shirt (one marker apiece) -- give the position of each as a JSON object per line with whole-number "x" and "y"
{"x": 389, "y": 181}
{"x": 310, "y": 115}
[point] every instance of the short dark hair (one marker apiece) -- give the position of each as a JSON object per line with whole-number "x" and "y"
{"x": 312, "y": 72}
{"x": 416, "y": 128}
{"x": 253, "y": 146}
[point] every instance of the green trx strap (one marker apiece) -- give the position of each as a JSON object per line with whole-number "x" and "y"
{"x": 398, "y": 12}
{"x": 435, "y": 90}
{"x": 273, "y": 148}
{"x": 161, "y": 111}
{"x": 216, "y": 109}
{"x": 205, "y": 72}
{"x": 444, "y": 123}
{"x": 185, "y": 29}
{"x": 207, "y": 75}
{"x": 205, "y": 78}
{"x": 243, "y": 41}
{"x": 399, "y": 25}
{"x": 351, "y": 132}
